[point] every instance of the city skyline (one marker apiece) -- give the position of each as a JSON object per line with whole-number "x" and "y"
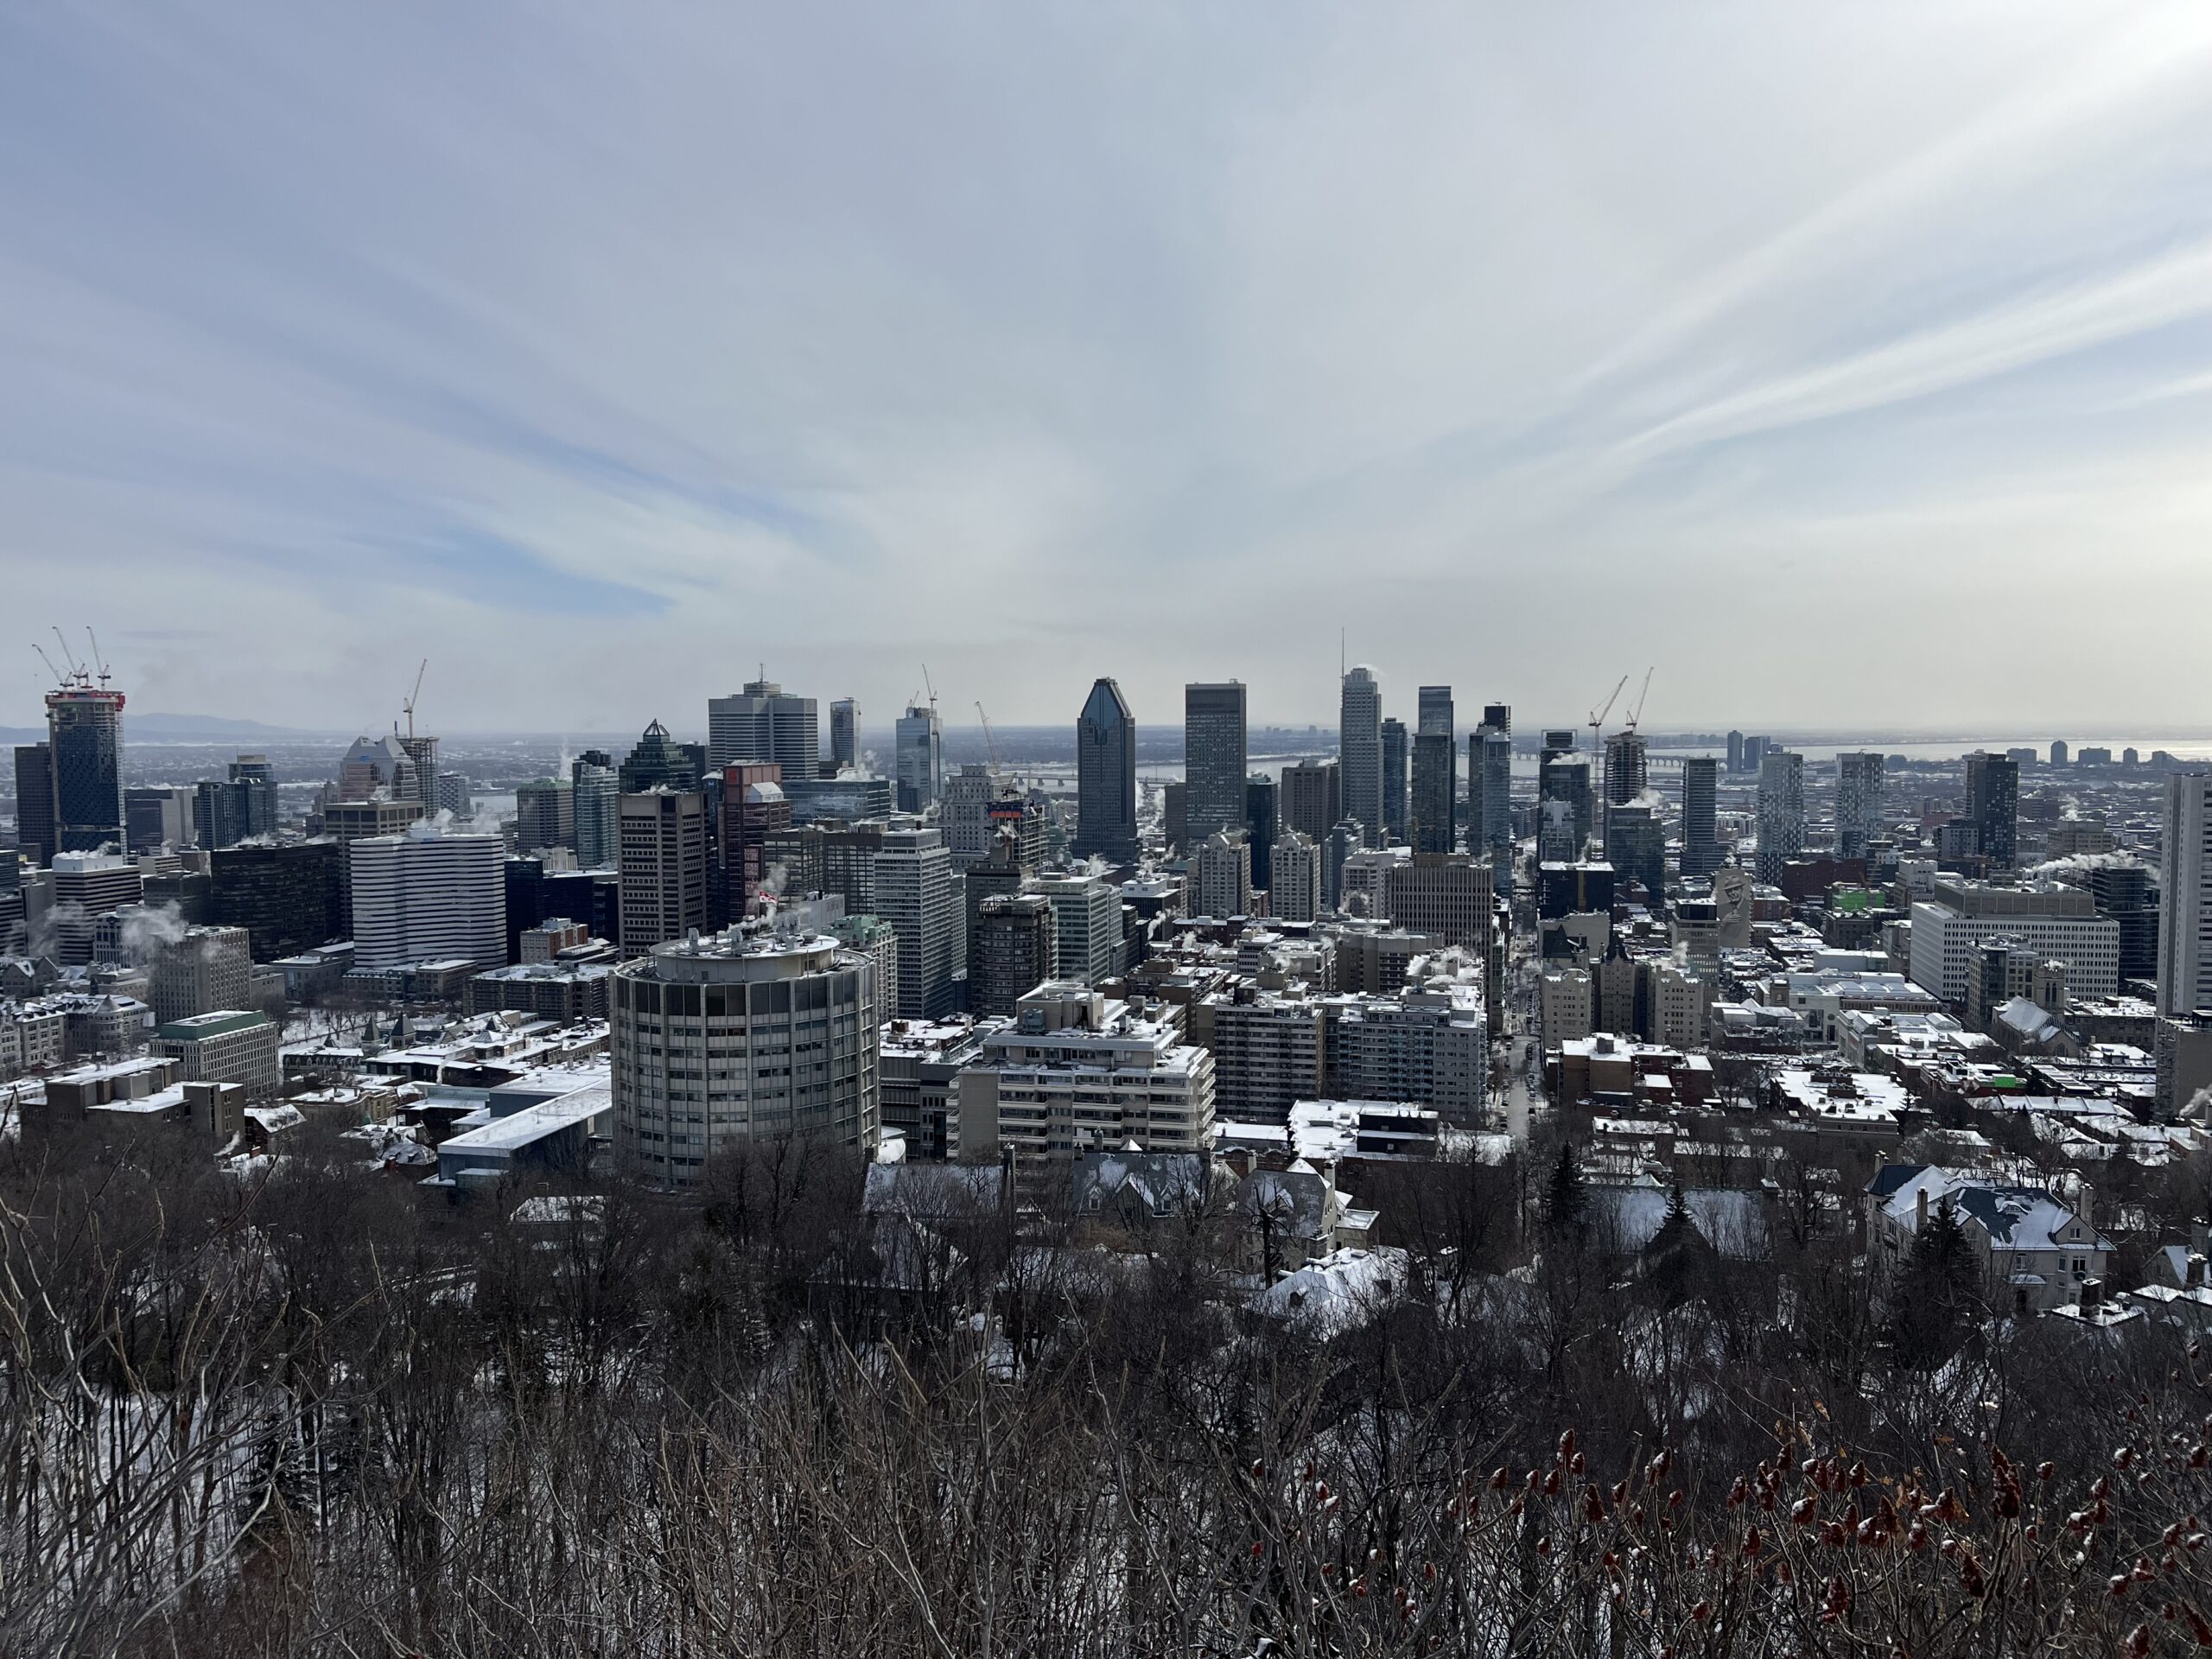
{"x": 1438, "y": 317}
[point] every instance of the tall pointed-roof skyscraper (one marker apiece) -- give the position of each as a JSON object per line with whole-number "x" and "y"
{"x": 1360, "y": 751}
{"x": 1106, "y": 776}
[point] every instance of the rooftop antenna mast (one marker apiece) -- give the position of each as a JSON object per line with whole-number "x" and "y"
{"x": 408, "y": 702}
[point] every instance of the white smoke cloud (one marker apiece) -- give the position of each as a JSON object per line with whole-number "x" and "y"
{"x": 149, "y": 929}
{"x": 46, "y": 930}
{"x": 482, "y": 821}
{"x": 2079, "y": 863}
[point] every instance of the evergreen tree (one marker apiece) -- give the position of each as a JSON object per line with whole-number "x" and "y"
{"x": 1568, "y": 1197}
{"x": 1677, "y": 1221}
{"x": 1672, "y": 1257}
{"x": 1937, "y": 1292}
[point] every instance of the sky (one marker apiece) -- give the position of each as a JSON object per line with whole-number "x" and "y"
{"x": 1846, "y": 366}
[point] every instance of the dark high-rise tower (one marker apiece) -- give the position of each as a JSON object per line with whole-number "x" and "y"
{"x": 1993, "y": 803}
{"x": 1263, "y": 822}
{"x": 1627, "y": 771}
{"x": 1312, "y": 799}
{"x": 1700, "y": 839}
{"x": 1213, "y": 758}
{"x": 1435, "y": 787}
{"x": 84, "y": 728}
{"x": 1498, "y": 716}
{"x": 1435, "y": 710}
{"x": 34, "y": 801}
{"x": 1106, "y": 776}
{"x": 844, "y": 735}
{"x": 255, "y": 781}
{"x": 1393, "y": 777}
{"x": 1858, "y": 802}
{"x": 660, "y": 762}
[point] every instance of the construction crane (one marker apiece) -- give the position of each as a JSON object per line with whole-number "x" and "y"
{"x": 932, "y": 686}
{"x": 1598, "y": 718}
{"x": 67, "y": 656}
{"x": 989, "y": 742}
{"x": 60, "y": 678}
{"x": 99, "y": 661}
{"x": 1636, "y": 713}
{"x": 407, "y": 703}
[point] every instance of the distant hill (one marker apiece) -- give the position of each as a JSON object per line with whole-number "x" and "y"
{"x": 178, "y": 728}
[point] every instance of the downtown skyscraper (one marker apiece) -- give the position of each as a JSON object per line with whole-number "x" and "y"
{"x": 1360, "y": 738}
{"x": 2185, "y": 896}
{"x": 84, "y": 740}
{"x": 1433, "y": 808}
{"x": 1106, "y": 776}
{"x": 1701, "y": 834}
{"x": 918, "y": 742}
{"x": 1858, "y": 790}
{"x": 764, "y": 722}
{"x": 844, "y": 735}
{"x": 1213, "y": 758}
{"x": 1993, "y": 805}
{"x": 1782, "y": 812}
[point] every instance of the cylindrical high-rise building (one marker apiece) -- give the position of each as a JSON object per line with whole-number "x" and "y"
{"x": 742, "y": 1036}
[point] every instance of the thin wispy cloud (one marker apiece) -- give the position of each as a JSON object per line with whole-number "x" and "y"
{"x": 604, "y": 353}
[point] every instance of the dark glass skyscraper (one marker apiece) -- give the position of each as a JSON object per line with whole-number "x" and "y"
{"x": 1435, "y": 788}
{"x": 1994, "y": 805}
{"x": 1393, "y": 777}
{"x": 1106, "y": 776}
{"x": 1312, "y": 801}
{"x": 1213, "y": 758}
{"x": 1700, "y": 838}
{"x": 1261, "y": 820}
{"x": 660, "y": 761}
{"x": 844, "y": 735}
{"x": 254, "y": 780}
{"x": 34, "y": 801}
{"x": 84, "y": 728}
